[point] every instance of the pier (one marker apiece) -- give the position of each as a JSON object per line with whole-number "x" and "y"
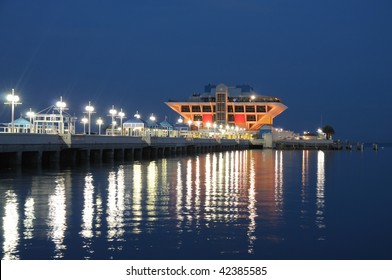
{"x": 30, "y": 149}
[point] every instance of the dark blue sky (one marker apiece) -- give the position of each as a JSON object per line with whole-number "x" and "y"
{"x": 329, "y": 61}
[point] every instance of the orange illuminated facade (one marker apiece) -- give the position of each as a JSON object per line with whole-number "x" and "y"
{"x": 236, "y": 106}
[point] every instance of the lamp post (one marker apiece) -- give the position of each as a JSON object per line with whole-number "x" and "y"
{"x": 31, "y": 116}
{"x": 99, "y": 123}
{"x": 113, "y": 113}
{"x": 208, "y": 128}
{"x": 61, "y": 106}
{"x": 152, "y": 130}
{"x": 12, "y": 100}
{"x": 89, "y": 111}
{"x": 121, "y": 115}
{"x": 84, "y": 121}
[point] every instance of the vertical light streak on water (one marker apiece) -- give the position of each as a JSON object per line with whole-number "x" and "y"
{"x": 28, "y": 221}
{"x": 279, "y": 181}
{"x": 305, "y": 169}
{"x": 320, "y": 198}
{"x": 164, "y": 188}
{"x": 10, "y": 227}
{"x": 152, "y": 175}
{"x": 115, "y": 206}
{"x": 234, "y": 181}
{"x": 214, "y": 187}
{"x": 98, "y": 217}
{"x": 305, "y": 182}
{"x": 236, "y": 172}
{"x": 120, "y": 208}
{"x": 243, "y": 174}
{"x": 111, "y": 206}
{"x": 228, "y": 187}
{"x": 252, "y": 207}
{"x": 88, "y": 214}
{"x": 197, "y": 192}
{"x": 188, "y": 202}
{"x": 57, "y": 217}
{"x": 137, "y": 198}
{"x": 88, "y": 207}
{"x": 179, "y": 212}
{"x": 221, "y": 197}
{"x": 207, "y": 205}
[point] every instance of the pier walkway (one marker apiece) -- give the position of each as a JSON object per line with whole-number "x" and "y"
{"x": 35, "y": 149}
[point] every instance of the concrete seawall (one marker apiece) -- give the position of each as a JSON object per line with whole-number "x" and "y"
{"x": 44, "y": 149}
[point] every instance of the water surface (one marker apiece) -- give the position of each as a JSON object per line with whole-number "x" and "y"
{"x": 258, "y": 204}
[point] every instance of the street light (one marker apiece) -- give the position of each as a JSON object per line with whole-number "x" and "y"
{"x": 89, "y": 111}
{"x": 121, "y": 115}
{"x": 198, "y": 125}
{"x": 99, "y": 123}
{"x": 84, "y": 121}
{"x": 113, "y": 113}
{"x": 180, "y": 120}
{"x": 12, "y": 100}
{"x": 31, "y": 116}
{"x": 152, "y": 118}
{"x": 137, "y": 115}
{"x": 61, "y": 106}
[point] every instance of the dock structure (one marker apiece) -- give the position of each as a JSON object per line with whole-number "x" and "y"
{"x": 45, "y": 149}
{"x": 314, "y": 144}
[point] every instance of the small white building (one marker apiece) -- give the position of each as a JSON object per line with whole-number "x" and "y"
{"x": 133, "y": 127}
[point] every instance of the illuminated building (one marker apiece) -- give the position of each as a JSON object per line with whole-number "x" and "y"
{"x": 237, "y": 106}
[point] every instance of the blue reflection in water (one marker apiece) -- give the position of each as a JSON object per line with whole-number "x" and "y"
{"x": 240, "y": 204}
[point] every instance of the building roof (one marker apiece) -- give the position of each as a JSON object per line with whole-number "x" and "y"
{"x": 133, "y": 121}
{"x": 166, "y": 124}
{"x": 151, "y": 124}
{"x": 21, "y": 122}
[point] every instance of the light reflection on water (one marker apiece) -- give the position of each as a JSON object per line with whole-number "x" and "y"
{"x": 10, "y": 227}
{"x": 218, "y": 205}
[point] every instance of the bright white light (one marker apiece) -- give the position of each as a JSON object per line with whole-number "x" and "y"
{"x": 61, "y": 104}
{"x": 189, "y": 122}
{"x": 99, "y": 121}
{"x": 84, "y": 120}
{"x": 152, "y": 118}
{"x": 30, "y": 114}
{"x": 113, "y": 112}
{"x": 208, "y": 124}
{"x": 121, "y": 114}
{"x": 89, "y": 108}
{"x": 180, "y": 120}
{"x": 253, "y": 97}
{"x": 12, "y": 98}
{"x": 137, "y": 115}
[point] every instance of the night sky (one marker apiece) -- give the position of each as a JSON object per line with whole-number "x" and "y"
{"x": 329, "y": 61}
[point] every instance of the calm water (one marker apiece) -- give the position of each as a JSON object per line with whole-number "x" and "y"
{"x": 261, "y": 204}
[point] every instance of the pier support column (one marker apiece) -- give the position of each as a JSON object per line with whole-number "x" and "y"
{"x": 128, "y": 154}
{"x": 108, "y": 155}
{"x": 119, "y": 154}
{"x": 95, "y": 155}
